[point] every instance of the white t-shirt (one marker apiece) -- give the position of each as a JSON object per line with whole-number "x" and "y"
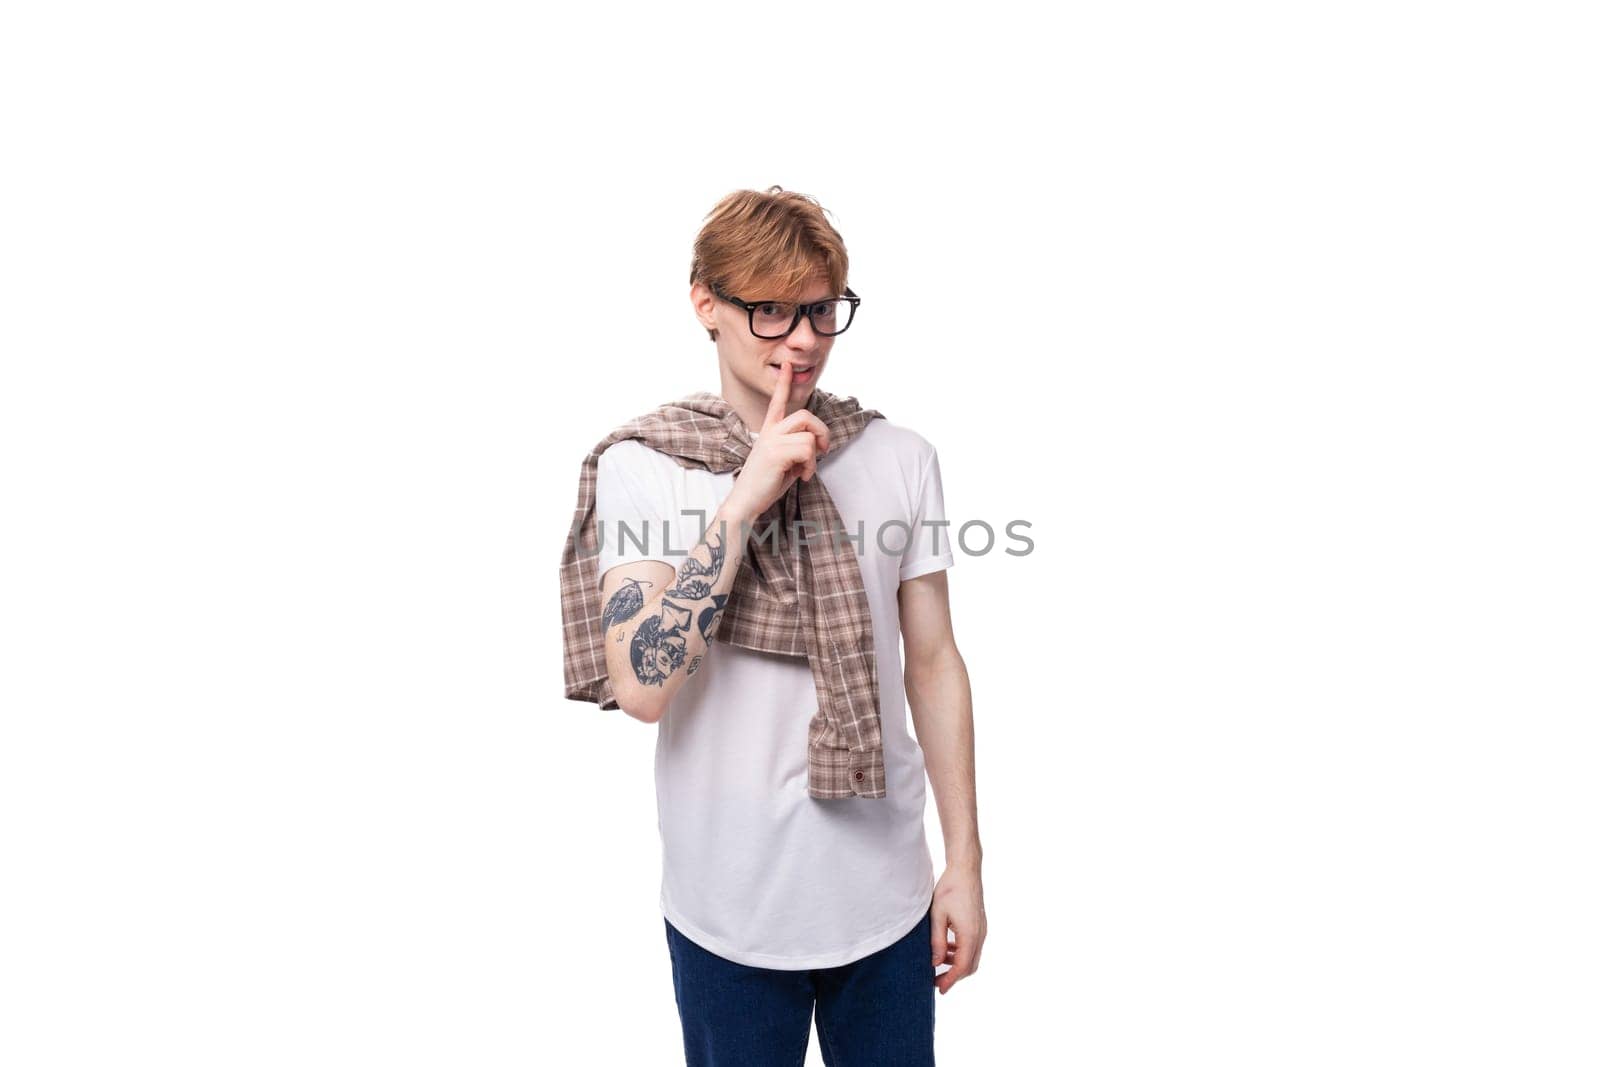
{"x": 753, "y": 868}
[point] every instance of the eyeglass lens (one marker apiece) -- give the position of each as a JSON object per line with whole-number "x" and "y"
{"x": 827, "y": 318}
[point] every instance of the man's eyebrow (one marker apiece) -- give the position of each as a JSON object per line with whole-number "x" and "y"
{"x": 794, "y": 303}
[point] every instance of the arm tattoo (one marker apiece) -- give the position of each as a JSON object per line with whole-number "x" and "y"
{"x": 660, "y": 643}
{"x": 695, "y": 579}
{"x": 624, "y": 603}
{"x": 711, "y": 616}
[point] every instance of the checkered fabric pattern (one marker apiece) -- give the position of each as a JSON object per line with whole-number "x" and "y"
{"x": 799, "y": 590}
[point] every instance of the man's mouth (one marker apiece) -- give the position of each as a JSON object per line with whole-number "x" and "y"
{"x": 802, "y": 371}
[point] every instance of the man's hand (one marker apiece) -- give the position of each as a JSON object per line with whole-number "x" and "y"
{"x": 785, "y": 450}
{"x": 958, "y": 907}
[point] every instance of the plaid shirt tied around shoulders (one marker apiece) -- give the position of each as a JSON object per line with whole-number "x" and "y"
{"x": 789, "y": 598}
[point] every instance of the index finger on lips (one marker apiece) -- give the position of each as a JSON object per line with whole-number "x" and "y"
{"x": 780, "y": 395}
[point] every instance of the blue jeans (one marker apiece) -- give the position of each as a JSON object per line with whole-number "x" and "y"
{"x": 873, "y": 1012}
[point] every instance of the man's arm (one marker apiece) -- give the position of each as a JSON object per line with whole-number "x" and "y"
{"x": 658, "y": 624}
{"x": 940, "y": 696}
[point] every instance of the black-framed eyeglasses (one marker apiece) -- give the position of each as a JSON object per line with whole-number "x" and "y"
{"x": 772, "y": 319}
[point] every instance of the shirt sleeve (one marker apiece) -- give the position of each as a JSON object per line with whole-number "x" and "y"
{"x": 633, "y": 497}
{"x": 929, "y": 547}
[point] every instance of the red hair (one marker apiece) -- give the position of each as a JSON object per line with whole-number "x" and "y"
{"x": 768, "y": 246}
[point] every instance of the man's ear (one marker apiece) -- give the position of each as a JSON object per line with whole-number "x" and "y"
{"x": 704, "y": 302}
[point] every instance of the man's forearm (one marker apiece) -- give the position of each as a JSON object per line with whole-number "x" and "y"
{"x": 940, "y": 695}
{"x": 661, "y": 638}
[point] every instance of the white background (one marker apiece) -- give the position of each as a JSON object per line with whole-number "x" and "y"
{"x": 1276, "y": 321}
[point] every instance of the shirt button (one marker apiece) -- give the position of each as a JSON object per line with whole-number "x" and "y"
{"x": 859, "y": 776}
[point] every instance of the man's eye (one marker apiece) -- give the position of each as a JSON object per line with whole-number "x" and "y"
{"x": 773, "y": 310}
{"x": 825, "y": 311}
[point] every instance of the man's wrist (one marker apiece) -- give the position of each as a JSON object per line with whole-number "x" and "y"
{"x": 734, "y": 512}
{"x": 967, "y": 856}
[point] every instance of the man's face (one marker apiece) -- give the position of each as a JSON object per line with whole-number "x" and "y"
{"x": 751, "y": 363}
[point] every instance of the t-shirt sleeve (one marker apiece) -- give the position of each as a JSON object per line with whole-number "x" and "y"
{"x": 929, "y": 547}
{"x": 633, "y": 497}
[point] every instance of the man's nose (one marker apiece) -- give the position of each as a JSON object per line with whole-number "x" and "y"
{"x": 803, "y": 337}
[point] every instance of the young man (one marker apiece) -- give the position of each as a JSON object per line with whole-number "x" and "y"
{"x": 796, "y": 870}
